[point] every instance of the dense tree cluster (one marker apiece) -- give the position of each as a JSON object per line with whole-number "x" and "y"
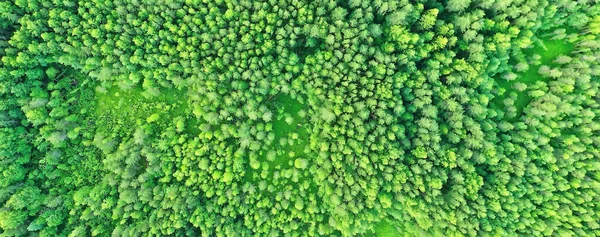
{"x": 299, "y": 118}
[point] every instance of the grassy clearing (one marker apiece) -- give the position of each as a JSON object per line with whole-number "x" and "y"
{"x": 291, "y": 138}
{"x": 294, "y": 131}
{"x": 127, "y": 108}
{"x": 548, "y": 50}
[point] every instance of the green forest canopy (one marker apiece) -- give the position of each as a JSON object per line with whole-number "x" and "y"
{"x": 300, "y": 118}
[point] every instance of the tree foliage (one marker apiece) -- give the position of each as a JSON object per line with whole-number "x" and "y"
{"x": 299, "y": 118}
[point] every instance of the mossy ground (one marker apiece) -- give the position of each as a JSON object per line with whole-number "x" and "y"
{"x": 548, "y": 49}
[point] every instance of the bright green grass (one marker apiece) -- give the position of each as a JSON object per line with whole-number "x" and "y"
{"x": 549, "y": 50}
{"x": 295, "y": 133}
{"x": 385, "y": 229}
{"x": 553, "y": 49}
{"x": 126, "y": 108}
{"x": 289, "y": 106}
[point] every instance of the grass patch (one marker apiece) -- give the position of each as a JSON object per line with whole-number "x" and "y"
{"x": 291, "y": 137}
{"x": 128, "y": 108}
{"x": 295, "y": 132}
{"x": 548, "y": 50}
{"x": 385, "y": 229}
